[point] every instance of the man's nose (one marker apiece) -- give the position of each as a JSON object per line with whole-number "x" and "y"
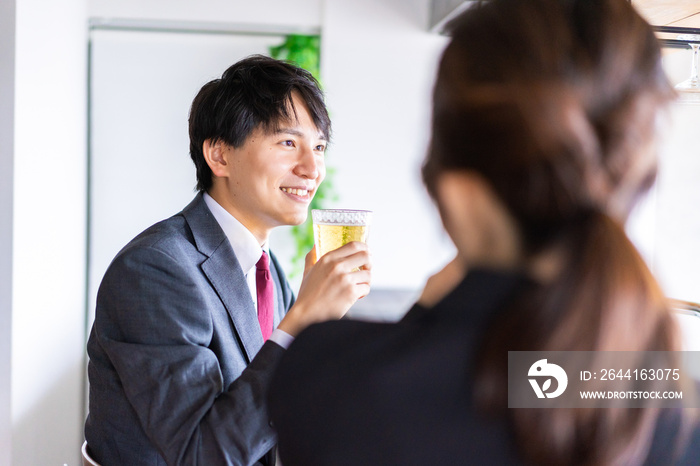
{"x": 308, "y": 165}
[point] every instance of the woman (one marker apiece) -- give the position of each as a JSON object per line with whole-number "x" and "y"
{"x": 542, "y": 141}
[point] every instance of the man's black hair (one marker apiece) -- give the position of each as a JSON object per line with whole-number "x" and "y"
{"x": 254, "y": 92}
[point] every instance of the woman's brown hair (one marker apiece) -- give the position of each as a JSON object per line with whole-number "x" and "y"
{"x": 554, "y": 103}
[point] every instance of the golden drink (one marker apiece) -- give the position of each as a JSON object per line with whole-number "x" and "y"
{"x": 330, "y": 237}
{"x": 334, "y": 228}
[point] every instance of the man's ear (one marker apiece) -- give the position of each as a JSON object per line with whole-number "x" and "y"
{"x": 216, "y": 156}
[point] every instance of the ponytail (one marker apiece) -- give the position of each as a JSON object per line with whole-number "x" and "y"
{"x": 603, "y": 299}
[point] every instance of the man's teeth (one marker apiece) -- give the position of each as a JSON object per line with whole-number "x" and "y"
{"x": 297, "y": 192}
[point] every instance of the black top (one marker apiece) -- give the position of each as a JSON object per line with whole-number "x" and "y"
{"x": 360, "y": 393}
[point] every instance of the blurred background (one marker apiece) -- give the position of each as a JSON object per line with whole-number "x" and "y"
{"x": 94, "y": 98}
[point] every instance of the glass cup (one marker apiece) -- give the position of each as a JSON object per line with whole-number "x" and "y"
{"x": 335, "y": 227}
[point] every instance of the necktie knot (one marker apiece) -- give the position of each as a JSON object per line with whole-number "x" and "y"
{"x": 263, "y": 265}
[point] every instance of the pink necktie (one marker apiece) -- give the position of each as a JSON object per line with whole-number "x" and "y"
{"x": 263, "y": 284}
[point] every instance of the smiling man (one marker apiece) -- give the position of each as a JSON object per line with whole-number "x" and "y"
{"x": 194, "y": 313}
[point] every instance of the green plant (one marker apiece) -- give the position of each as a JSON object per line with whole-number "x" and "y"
{"x": 304, "y": 51}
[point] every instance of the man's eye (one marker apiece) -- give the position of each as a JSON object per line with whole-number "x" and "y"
{"x": 288, "y": 143}
{"x": 321, "y": 148}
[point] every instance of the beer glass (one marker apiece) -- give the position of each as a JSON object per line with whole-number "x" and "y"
{"x": 335, "y": 227}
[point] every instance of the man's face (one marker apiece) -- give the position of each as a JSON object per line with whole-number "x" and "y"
{"x": 271, "y": 179}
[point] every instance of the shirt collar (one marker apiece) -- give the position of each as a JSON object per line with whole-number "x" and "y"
{"x": 243, "y": 242}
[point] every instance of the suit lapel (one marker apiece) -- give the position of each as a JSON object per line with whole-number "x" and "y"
{"x": 225, "y": 274}
{"x": 227, "y": 278}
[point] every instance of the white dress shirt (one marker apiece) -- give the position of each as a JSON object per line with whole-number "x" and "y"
{"x": 248, "y": 252}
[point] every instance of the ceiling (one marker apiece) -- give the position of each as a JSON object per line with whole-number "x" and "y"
{"x": 679, "y": 13}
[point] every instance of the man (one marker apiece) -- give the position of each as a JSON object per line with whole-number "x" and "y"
{"x": 183, "y": 348}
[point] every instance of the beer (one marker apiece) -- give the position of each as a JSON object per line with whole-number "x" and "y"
{"x": 334, "y": 228}
{"x": 329, "y": 237}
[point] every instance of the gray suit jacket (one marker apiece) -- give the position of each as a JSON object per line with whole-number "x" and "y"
{"x": 178, "y": 370}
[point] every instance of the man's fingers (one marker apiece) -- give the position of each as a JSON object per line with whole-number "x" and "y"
{"x": 346, "y": 250}
{"x": 311, "y": 257}
{"x": 309, "y": 261}
{"x": 363, "y": 290}
{"x": 362, "y": 277}
{"x": 359, "y": 260}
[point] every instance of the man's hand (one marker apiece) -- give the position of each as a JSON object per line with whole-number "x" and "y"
{"x": 330, "y": 286}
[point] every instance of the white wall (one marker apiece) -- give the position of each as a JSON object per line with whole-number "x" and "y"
{"x": 678, "y": 217}
{"x": 7, "y": 108}
{"x": 666, "y": 227}
{"x": 48, "y": 312}
{"x": 378, "y": 66}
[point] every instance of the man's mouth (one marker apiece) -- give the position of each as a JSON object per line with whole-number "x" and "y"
{"x": 300, "y": 192}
